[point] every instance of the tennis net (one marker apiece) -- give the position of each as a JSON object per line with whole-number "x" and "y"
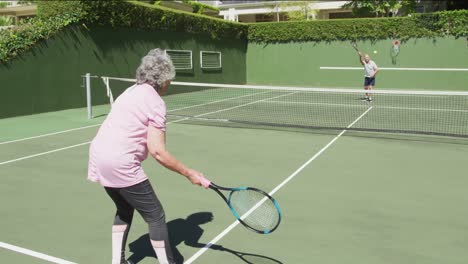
{"x": 398, "y": 111}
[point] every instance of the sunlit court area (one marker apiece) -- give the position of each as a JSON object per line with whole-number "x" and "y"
{"x": 259, "y": 132}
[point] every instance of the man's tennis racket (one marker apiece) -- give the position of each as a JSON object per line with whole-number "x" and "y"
{"x": 354, "y": 45}
{"x": 253, "y": 208}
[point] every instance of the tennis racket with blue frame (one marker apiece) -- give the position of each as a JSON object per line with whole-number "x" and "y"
{"x": 252, "y": 207}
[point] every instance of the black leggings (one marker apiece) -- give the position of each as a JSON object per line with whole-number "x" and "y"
{"x": 142, "y": 198}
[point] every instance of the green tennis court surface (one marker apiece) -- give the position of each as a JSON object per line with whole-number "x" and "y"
{"x": 362, "y": 197}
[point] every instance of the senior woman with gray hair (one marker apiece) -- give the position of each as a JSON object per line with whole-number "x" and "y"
{"x": 135, "y": 126}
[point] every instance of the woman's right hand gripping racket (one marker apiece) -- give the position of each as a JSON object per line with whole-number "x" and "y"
{"x": 253, "y": 208}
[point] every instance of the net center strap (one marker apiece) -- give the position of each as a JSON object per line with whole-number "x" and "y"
{"x": 109, "y": 91}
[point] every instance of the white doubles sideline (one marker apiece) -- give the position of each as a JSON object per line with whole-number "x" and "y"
{"x": 289, "y": 178}
{"x": 49, "y": 134}
{"x": 44, "y": 153}
{"x": 35, "y": 254}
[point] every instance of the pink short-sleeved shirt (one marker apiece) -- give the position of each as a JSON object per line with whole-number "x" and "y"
{"x": 119, "y": 147}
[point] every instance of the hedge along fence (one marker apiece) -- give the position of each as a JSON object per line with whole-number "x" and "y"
{"x": 140, "y": 15}
{"x": 451, "y": 23}
{"x": 53, "y": 16}
{"x": 58, "y": 8}
{"x": 15, "y": 40}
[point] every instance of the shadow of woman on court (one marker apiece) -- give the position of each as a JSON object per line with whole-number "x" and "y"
{"x": 188, "y": 231}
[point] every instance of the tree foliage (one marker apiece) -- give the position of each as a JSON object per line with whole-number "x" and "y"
{"x": 381, "y": 8}
{"x": 56, "y": 15}
{"x": 199, "y": 8}
{"x": 302, "y": 10}
{"x": 6, "y": 21}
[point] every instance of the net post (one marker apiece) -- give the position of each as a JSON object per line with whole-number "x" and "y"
{"x": 88, "y": 95}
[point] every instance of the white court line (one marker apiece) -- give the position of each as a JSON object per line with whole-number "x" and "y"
{"x": 49, "y": 134}
{"x": 229, "y": 228}
{"x": 395, "y": 69}
{"x": 384, "y": 107}
{"x": 230, "y": 108}
{"x": 213, "y": 102}
{"x": 325, "y": 104}
{"x": 43, "y": 153}
{"x": 423, "y": 109}
{"x": 34, "y": 254}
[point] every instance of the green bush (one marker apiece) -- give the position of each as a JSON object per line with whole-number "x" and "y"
{"x": 6, "y": 21}
{"x": 451, "y": 23}
{"x": 55, "y": 15}
{"x": 52, "y": 17}
{"x": 46, "y": 8}
{"x": 138, "y": 15}
{"x": 28, "y": 33}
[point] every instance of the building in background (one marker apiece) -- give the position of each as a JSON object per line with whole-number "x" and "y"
{"x": 430, "y": 6}
{"x": 17, "y": 10}
{"x": 240, "y": 10}
{"x": 269, "y": 11}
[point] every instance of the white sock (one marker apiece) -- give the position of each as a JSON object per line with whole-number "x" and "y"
{"x": 160, "y": 250}
{"x": 118, "y": 232}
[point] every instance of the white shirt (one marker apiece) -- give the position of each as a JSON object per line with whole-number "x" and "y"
{"x": 369, "y": 68}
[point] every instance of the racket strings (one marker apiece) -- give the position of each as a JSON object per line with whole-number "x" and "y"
{"x": 255, "y": 209}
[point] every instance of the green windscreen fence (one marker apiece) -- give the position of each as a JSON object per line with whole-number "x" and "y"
{"x": 48, "y": 76}
{"x": 422, "y": 64}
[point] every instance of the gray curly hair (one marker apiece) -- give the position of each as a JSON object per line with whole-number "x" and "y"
{"x": 155, "y": 69}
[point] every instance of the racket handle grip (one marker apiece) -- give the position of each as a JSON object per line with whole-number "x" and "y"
{"x": 204, "y": 182}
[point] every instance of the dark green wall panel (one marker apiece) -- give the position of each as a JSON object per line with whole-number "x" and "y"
{"x": 47, "y": 78}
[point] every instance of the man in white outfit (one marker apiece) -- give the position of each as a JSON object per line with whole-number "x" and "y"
{"x": 370, "y": 70}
